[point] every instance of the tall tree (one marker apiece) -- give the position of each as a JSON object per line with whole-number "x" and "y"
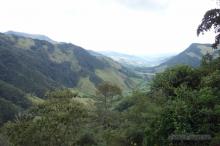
{"x": 106, "y": 93}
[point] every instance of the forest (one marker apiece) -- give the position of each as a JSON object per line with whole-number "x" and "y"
{"x": 181, "y": 100}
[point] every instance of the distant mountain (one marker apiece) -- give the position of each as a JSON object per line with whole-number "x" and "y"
{"x": 191, "y": 56}
{"x": 135, "y": 61}
{"x": 33, "y": 36}
{"x": 35, "y": 66}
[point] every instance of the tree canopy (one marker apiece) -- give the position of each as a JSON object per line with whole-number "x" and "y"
{"x": 211, "y": 20}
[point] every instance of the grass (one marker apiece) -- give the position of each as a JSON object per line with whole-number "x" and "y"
{"x": 113, "y": 77}
{"x": 25, "y": 43}
{"x": 59, "y": 56}
{"x": 86, "y": 86}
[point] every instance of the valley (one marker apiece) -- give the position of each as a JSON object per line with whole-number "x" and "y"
{"x": 57, "y": 94}
{"x": 110, "y": 73}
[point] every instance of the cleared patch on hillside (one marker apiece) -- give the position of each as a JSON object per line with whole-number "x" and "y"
{"x": 59, "y": 56}
{"x": 86, "y": 86}
{"x": 25, "y": 43}
{"x": 112, "y": 77}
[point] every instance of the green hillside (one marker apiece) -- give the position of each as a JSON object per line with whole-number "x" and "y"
{"x": 12, "y": 101}
{"x": 30, "y": 67}
{"x": 35, "y": 66}
{"x": 192, "y": 56}
{"x": 181, "y": 102}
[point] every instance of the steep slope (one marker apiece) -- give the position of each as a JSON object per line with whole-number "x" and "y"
{"x": 191, "y": 56}
{"x": 12, "y": 101}
{"x": 35, "y": 66}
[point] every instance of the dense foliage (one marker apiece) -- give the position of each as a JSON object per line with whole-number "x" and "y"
{"x": 211, "y": 20}
{"x": 182, "y": 100}
{"x": 12, "y": 101}
{"x": 190, "y": 101}
{"x": 58, "y": 121}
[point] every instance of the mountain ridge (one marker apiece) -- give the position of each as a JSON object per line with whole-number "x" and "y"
{"x": 191, "y": 56}
{"x": 36, "y": 65}
{"x": 33, "y": 36}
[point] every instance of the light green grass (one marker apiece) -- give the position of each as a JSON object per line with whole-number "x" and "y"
{"x": 113, "y": 77}
{"x": 86, "y": 86}
{"x": 25, "y": 43}
{"x": 68, "y": 56}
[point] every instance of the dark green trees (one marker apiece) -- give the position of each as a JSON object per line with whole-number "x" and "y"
{"x": 211, "y": 20}
{"x": 190, "y": 102}
{"x": 106, "y": 117}
{"x": 56, "y": 122}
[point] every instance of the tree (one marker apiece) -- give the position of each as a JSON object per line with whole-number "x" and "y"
{"x": 106, "y": 92}
{"x": 206, "y": 59}
{"x": 192, "y": 102}
{"x": 107, "y": 118}
{"x": 138, "y": 117}
{"x": 58, "y": 121}
{"x": 173, "y": 78}
{"x": 211, "y": 20}
{"x": 215, "y": 141}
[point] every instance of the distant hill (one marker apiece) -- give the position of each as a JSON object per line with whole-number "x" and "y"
{"x": 30, "y": 67}
{"x": 135, "y": 61}
{"x": 191, "y": 56}
{"x": 33, "y": 36}
{"x": 35, "y": 66}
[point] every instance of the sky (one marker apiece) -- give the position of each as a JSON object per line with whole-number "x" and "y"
{"x": 136, "y": 27}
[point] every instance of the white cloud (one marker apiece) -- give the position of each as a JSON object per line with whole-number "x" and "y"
{"x": 145, "y": 4}
{"x": 110, "y": 25}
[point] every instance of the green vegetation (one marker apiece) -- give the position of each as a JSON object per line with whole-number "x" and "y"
{"x": 29, "y": 68}
{"x": 35, "y": 66}
{"x": 209, "y": 21}
{"x": 190, "y": 101}
{"x": 192, "y": 56}
{"x": 8, "y": 111}
{"x": 57, "y": 121}
{"x": 12, "y": 101}
{"x": 181, "y": 101}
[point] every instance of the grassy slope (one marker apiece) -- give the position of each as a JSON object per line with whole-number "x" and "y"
{"x": 86, "y": 86}
{"x": 35, "y": 66}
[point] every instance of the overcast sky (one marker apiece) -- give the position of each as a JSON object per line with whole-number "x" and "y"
{"x": 128, "y": 26}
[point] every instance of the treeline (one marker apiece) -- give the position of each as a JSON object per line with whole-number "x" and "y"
{"x": 182, "y": 100}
